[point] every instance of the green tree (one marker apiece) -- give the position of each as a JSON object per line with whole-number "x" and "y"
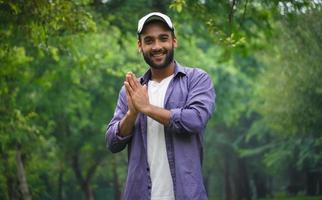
{"x": 25, "y": 29}
{"x": 290, "y": 95}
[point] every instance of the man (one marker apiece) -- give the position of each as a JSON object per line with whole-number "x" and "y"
{"x": 161, "y": 119}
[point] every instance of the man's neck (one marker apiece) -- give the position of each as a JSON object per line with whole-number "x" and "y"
{"x": 160, "y": 74}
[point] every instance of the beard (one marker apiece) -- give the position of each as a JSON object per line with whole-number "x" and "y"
{"x": 168, "y": 58}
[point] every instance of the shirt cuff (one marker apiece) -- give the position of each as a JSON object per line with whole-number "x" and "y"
{"x": 118, "y": 137}
{"x": 175, "y": 115}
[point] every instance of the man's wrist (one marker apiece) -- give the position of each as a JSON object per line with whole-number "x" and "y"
{"x": 132, "y": 114}
{"x": 147, "y": 109}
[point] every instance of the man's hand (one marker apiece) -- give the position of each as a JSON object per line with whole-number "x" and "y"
{"x": 139, "y": 99}
{"x": 127, "y": 123}
{"x": 138, "y": 94}
{"x": 132, "y": 110}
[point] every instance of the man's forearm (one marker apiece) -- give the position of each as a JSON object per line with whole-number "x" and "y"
{"x": 159, "y": 114}
{"x": 127, "y": 123}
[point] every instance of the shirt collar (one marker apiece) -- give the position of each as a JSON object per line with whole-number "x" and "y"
{"x": 178, "y": 69}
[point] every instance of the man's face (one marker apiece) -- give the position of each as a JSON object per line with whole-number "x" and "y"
{"x": 157, "y": 44}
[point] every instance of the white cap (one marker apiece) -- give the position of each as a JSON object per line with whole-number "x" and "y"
{"x": 154, "y": 16}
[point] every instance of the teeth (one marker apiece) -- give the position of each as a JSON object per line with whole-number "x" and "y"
{"x": 157, "y": 55}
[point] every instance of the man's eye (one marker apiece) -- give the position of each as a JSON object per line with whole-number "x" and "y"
{"x": 164, "y": 39}
{"x": 148, "y": 41}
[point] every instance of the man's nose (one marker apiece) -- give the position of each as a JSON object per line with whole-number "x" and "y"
{"x": 156, "y": 45}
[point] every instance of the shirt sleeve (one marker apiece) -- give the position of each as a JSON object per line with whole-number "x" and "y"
{"x": 193, "y": 116}
{"x": 115, "y": 142}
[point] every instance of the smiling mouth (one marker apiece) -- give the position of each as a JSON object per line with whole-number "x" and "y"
{"x": 158, "y": 55}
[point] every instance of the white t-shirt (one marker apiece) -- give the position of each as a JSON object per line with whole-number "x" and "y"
{"x": 162, "y": 185}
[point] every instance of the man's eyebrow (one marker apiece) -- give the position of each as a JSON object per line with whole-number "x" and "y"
{"x": 164, "y": 35}
{"x": 147, "y": 36}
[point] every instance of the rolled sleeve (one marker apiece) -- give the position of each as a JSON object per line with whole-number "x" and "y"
{"x": 194, "y": 115}
{"x": 114, "y": 141}
{"x": 115, "y": 136}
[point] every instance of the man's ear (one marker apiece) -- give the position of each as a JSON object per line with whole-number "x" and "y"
{"x": 139, "y": 46}
{"x": 175, "y": 42}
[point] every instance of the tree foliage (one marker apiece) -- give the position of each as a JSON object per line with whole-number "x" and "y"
{"x": 63, "y": 62}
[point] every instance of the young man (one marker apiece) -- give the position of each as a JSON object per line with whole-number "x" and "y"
{"x": 161, "y": 119}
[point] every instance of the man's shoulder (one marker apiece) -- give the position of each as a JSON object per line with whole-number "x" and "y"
{"x": 193, "y": 71}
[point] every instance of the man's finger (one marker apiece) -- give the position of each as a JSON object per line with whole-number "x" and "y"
{"x": 135, "y": 80}
{"x": 127, "y": 92}
{"x": 127, "y": 77}
{"x": 128, "y": 88}
{"x": 131, "y": 81}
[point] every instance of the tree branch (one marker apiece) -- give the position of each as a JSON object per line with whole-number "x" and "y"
{"x": 231, "y": 11}
{"x": 76, "y": 169}
{"x": 92, "y": 170}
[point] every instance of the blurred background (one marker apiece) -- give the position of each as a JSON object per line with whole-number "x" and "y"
{"x": 62, "y": 64}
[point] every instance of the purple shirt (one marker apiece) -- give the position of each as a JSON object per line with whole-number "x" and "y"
{"x": 190, "y": 97}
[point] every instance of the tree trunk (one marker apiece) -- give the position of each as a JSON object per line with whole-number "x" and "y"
{"x": 242, "y": 181}
{"x": 236, "y": 181}
{"x": 227, "y": 180}
{"x": 23, "y": 185}
{"x": 116, "y": 183}
{"x": 320, "y": 183}
{"x": 311, "y": 184}
{"x": 84, "y": 182}
{"x": 87, "y": 190}
{"x": 260, "y": 185}
{"x": 10, "y": 181}
{"x": 60, "y": 185}
{"x": 233, "y": 188}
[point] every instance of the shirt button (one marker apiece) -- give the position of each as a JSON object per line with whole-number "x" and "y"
{"x": 147, "y": 169}
{"x": 149, "y": 187}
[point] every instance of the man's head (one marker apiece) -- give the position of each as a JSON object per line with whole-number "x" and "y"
{"x": 156, "y": 39}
